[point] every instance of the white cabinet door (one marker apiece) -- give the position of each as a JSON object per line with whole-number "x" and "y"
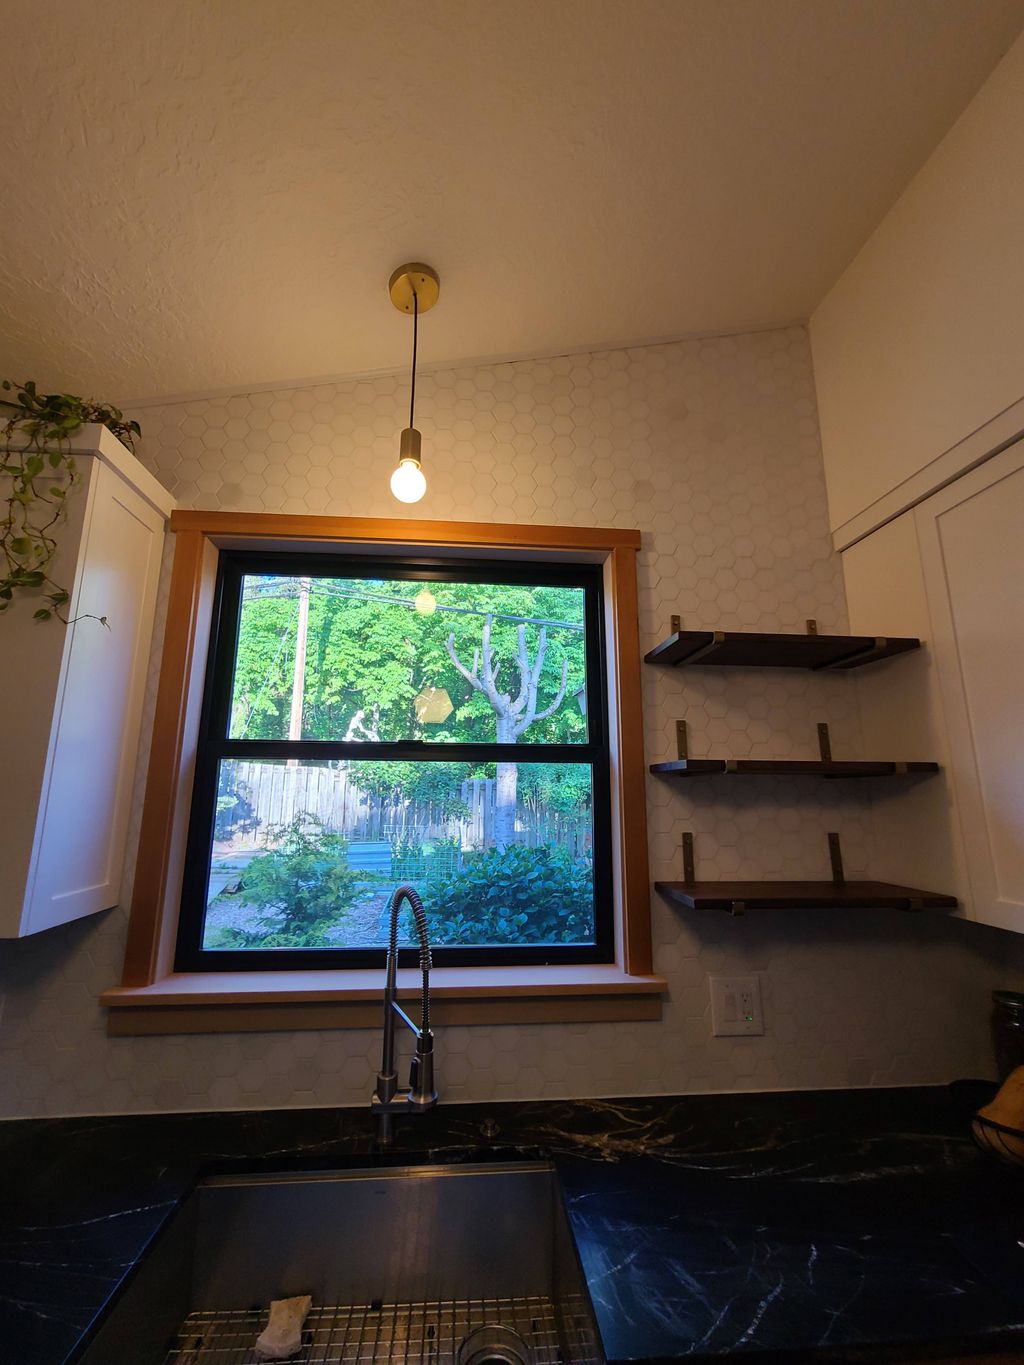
{"x": 971, "y": 537}
{"x": 74, "y": 696}
{"x": 76, "y": 865}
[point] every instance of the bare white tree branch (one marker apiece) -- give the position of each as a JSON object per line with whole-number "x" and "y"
{"x": 550, "y": 710}
{"x": 471, "y": 677}
{"x": 513, "y": 717}
{"x": 358, "y": 728}
{"x": 525, "y": 674}
{"x": 499, "y": 703}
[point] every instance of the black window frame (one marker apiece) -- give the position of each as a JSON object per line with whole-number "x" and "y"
{"x": 213, "y": 745}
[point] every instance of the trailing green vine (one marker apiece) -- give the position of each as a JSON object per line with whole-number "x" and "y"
{"x": 39, "y": 472}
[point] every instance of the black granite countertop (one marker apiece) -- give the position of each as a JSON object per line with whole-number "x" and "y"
{"x": 836, "y": 1225}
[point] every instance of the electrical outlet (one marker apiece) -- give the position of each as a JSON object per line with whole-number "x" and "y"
{"x": 736, "y": 1006}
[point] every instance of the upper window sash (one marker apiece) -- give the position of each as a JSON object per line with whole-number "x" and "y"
{"x": 378, "y": 670}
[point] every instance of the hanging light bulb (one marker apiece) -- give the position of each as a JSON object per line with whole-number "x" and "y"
{"x": 414, "y": 289}
{"x": 408, "y": 482}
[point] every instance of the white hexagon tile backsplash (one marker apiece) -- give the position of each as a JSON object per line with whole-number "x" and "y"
{"x": 710, "y": 447}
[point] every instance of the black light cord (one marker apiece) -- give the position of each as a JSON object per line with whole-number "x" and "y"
{"x": 415, "y": 332}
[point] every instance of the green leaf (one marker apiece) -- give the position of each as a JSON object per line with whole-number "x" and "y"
{"x": 41, "y": 615}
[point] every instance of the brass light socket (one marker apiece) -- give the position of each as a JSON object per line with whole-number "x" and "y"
{"x": 409, "y": 445}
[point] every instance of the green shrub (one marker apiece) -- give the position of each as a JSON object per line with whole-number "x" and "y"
{"x": 302, "y": 887}
{"x": 523, "y": 895}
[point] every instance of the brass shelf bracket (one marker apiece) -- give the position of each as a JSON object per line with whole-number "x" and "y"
{"x": 824, "y": 743}
{"x": 835, "y": 854}
{"x": 682, "y": 748}
{"x": 688, "y": 863}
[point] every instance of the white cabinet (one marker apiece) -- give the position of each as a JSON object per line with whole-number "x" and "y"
{"x": 972, "y": 551}
{"x": 72, "y": 697}
{"x": 952, "y": 571}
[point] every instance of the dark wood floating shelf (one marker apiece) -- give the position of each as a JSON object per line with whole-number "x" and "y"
{"x": 788, "y": 767}
{"x": 747, "y": 649}
{"x": 737, "y": 897}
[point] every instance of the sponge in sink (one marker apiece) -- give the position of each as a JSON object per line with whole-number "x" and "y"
{"x": 282, "y": 1336}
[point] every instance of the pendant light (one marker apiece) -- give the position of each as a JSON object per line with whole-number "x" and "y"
{"x": 414, "y": 288}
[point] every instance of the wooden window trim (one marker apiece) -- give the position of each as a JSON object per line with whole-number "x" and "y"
{"x": 226, "y": 1001}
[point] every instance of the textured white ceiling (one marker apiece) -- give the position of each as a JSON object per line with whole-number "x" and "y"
{"x": 209, "y": 195}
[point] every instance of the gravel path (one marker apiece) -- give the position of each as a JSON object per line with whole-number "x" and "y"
{"x": 362, "y": 927}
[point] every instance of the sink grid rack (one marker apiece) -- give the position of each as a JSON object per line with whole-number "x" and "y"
{"x": 426, "y": 1333}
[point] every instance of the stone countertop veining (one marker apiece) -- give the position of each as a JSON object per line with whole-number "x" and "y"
{"x": 826, "y": 1226}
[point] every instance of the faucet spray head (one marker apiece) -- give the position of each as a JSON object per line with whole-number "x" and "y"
{"x": 421, "y": 1073}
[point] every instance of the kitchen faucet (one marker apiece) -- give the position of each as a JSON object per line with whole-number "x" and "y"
{"x": 387, "y": 1099}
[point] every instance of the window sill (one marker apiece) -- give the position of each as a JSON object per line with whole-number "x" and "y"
{"x": 239, "y": 1002}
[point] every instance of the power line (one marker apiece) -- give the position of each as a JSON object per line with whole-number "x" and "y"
{"x": 321, "y": 588}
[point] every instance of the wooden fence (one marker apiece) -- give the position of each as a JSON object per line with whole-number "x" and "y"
{"x": 269, "y": 794}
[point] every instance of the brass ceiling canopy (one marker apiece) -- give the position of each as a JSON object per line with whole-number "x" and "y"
{"x": 414, "y": 281}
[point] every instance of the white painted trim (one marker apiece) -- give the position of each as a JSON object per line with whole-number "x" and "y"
{"x": 117, "y": 457}
{"x": 988, "y": 440}
{"x": 466, "y": 363}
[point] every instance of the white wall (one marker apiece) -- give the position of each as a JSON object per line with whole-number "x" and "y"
{"x": 711, "y": 449}
{"x": 921, "y": 341}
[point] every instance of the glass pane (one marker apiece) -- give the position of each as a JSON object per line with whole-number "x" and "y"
{"x": 306, "y": 854}
{"x": 396, "y": 659}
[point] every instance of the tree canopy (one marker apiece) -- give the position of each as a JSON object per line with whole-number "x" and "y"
{"x": 370, "y": 653}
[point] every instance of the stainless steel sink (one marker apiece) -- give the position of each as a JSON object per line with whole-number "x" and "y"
{"x": 403, "y": 1264}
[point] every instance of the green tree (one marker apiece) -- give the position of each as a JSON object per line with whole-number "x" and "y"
{"x": 370, "y": 653}
{"x": 302, "y": 886}
{"x": 439, "y": 783}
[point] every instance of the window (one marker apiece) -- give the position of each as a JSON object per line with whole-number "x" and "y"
{"x": 174, "y": 982}
{"x": 368, "y": 722}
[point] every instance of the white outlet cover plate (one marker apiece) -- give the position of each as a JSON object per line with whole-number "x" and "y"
{"x": 736, "y": 1006}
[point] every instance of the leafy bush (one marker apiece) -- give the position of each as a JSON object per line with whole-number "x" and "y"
{"x": 522, "y": 895}
{"x": 303, "y": 888}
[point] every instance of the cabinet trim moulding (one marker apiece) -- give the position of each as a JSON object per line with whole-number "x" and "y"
{"x": 989, "y": 440}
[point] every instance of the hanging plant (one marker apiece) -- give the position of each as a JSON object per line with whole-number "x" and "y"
{"x": 39, "y": 473}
